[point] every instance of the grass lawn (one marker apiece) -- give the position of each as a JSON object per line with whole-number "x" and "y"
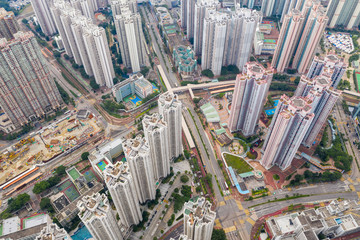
{"x": 238, "y": 163}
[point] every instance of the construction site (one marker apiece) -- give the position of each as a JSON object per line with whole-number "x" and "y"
{"x": 28, "y": 154}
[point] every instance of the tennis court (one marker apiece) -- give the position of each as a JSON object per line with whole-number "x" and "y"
{"x": 71, "y": 193}
{"x": 64, "y": 185}
{"x": 89, "y": 175}
{"x": 357, "y": 74}
{"x": 74, "y": 174}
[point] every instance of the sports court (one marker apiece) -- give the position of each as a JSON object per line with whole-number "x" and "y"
{"x": 74, "y": 174}
{"x": 71, "y": 193}
{"x": 102, "y": 165}
{"x": 90, "y": 175}
{"x": 357, "y": 74}
{"x": 64, "y": 185}
{"x": 33, "y": 221}
{"x": 155, "y": 89}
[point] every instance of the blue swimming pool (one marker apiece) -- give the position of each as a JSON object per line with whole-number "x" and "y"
{"x": 81, "y": 234}
{"x": 338, "y": 221}
{"x": 276, "y": 102}
{"x": 270, "y": 112}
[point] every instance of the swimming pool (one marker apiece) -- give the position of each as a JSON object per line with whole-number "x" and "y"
{"x": 270, "y": 112}
{"x": 338, "y": 221}
{"x": 81, "y": 234}
{"x": 102, "y": 165}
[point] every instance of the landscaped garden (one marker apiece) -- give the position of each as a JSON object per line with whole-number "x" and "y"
{"x": 237, "y": 163}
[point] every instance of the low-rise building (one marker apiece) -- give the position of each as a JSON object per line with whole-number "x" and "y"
{"x": 136, "y": 84}
{"x": 184, "y": 58}
{"x": 53, "y": 232}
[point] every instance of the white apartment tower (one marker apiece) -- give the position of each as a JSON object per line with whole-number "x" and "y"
{"x": 117, "y": 6}
{"x": 97, "y": 48}
{"x": 291, "y": 121}
{"x": 121, "y": 186}
{"x": 202, "y": 7}
{"x": 44, "y": 16}
{"x": 323, "y": 98}
{"x": 198, "y": 219}
{"x": 96, "y": 213}
{"x": 251, "y": 89}
{"x": 228, "y": 38}
{"x": 330, "y": 65}
{"x": 28, "y": 91}
{"x": 137, "y": 153}
{"x": 188, "y": 17}
{"x": 156, "y": 134}
{"x": 170, "y": 109}
{"x": 53, "y": 232}
{"x": 131, "y": 39}
{"x": 85, "y": 42}
{"x": 86, "y": 7}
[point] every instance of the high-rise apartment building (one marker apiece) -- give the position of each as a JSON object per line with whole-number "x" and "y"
{"x": 117, "y": 6}
{"x": 344, "y": 13}
{"x": 44, "y": 16}
{"x": 156, "y": 134}
{"x": 86, "y": 7}
{"x": 249, "y": 97}
{"x": 228, "y": 38}
{"x": 131, "y": 39}
{"x": 183, "y": 13}
{"x": 8, "y": 24}
{"x": 170, "y": 109}
{"x": 291, "y": 121}
{"x": 53, "y": 232}
{"x": 137, "y": 153}
{"x": 331, "y": 64}
{"x": 323, "y": 98}
{"x": 202, "y": 7}
{"x": 190, "y": 17}
{"x": 98, "y": 217}
{"x": 267, "y": 7}
{"x": 28, "y": 90}
{"x": 85, "y": 42}
{"x": 299, "y": 36}
{"x": 198, "y": 219}
{"x": 121, "y": 186}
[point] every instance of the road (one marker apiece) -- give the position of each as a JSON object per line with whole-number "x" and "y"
{"x": 349, "y": 133}
{"x": 156, "y": 42}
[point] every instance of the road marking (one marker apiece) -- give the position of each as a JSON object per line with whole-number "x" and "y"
{"x": 222, "y": 203}
{"x": 358, "y": 193}
{"x": 289, "y": 188}
{"x": 342, "y": 179}
{"x": 322, "y": 204}
{"x": 352, "y": 187}
{"x": 239, "y": 205}
{"x": 230, "y": 229}
{"x": 358, "y": 179}
{"x": 242, "y": 221}
{"x": 350, "y": 180}
{"x": 227, "y": 198}
{"x": 217, "y": 223}
{"x": 246, "y": 212}
{"x": 249, "y": 220}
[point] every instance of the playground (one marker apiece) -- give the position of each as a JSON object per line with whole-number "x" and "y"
{"x": 102, "y": 165}
{"x": 357, "y": 75}
{"x": 45, "y": 145}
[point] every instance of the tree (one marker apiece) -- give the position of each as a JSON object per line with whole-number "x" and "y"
{"x": 66, "y": 57}
{"x": 45, "y": 204}
{"x": 60, "y": 171}
{"x": 208, "y": 73}
{"x": 187, "y": 154}
{"x": 184, "y": 179}
{"x": 93, "y": 84}
{"x": 40, "y": 187}
{"x": 25, "y": 21}
{"x": 276, "y": 177}
{"x": 54, "y": 44}
{"x": 218, "y": 234}
{"x": 57, "y": 54}
{"x": 85, "y": 155}
{"x": 18, "y": 202}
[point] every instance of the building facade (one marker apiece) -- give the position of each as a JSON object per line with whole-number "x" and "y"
{"x": 291, "y": 121}
{"x": 8, "y": 24}
{"x": 170, "y": 108}
{"x": 331, "y": 65}
{"x": 299, "y": 36}
{"x": 198, "y": 219}
{"x": 121, "y": 186}
{"x": 137, "y": 153}
{"x": 228, "y": 38}
{"x": 44, "y": 16}
{"x": 28, "y": 90}
{"x": 98, "y": 217}
{"x": 249, "y": 97}
{"x": 131, "y": 39}
{"x": 324, "y": 97}
{"x": 202, "y": 7}
{"x": 344, "y": 13}
{"x": 156, "y": 134}
{"x": 184, "y": 59}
